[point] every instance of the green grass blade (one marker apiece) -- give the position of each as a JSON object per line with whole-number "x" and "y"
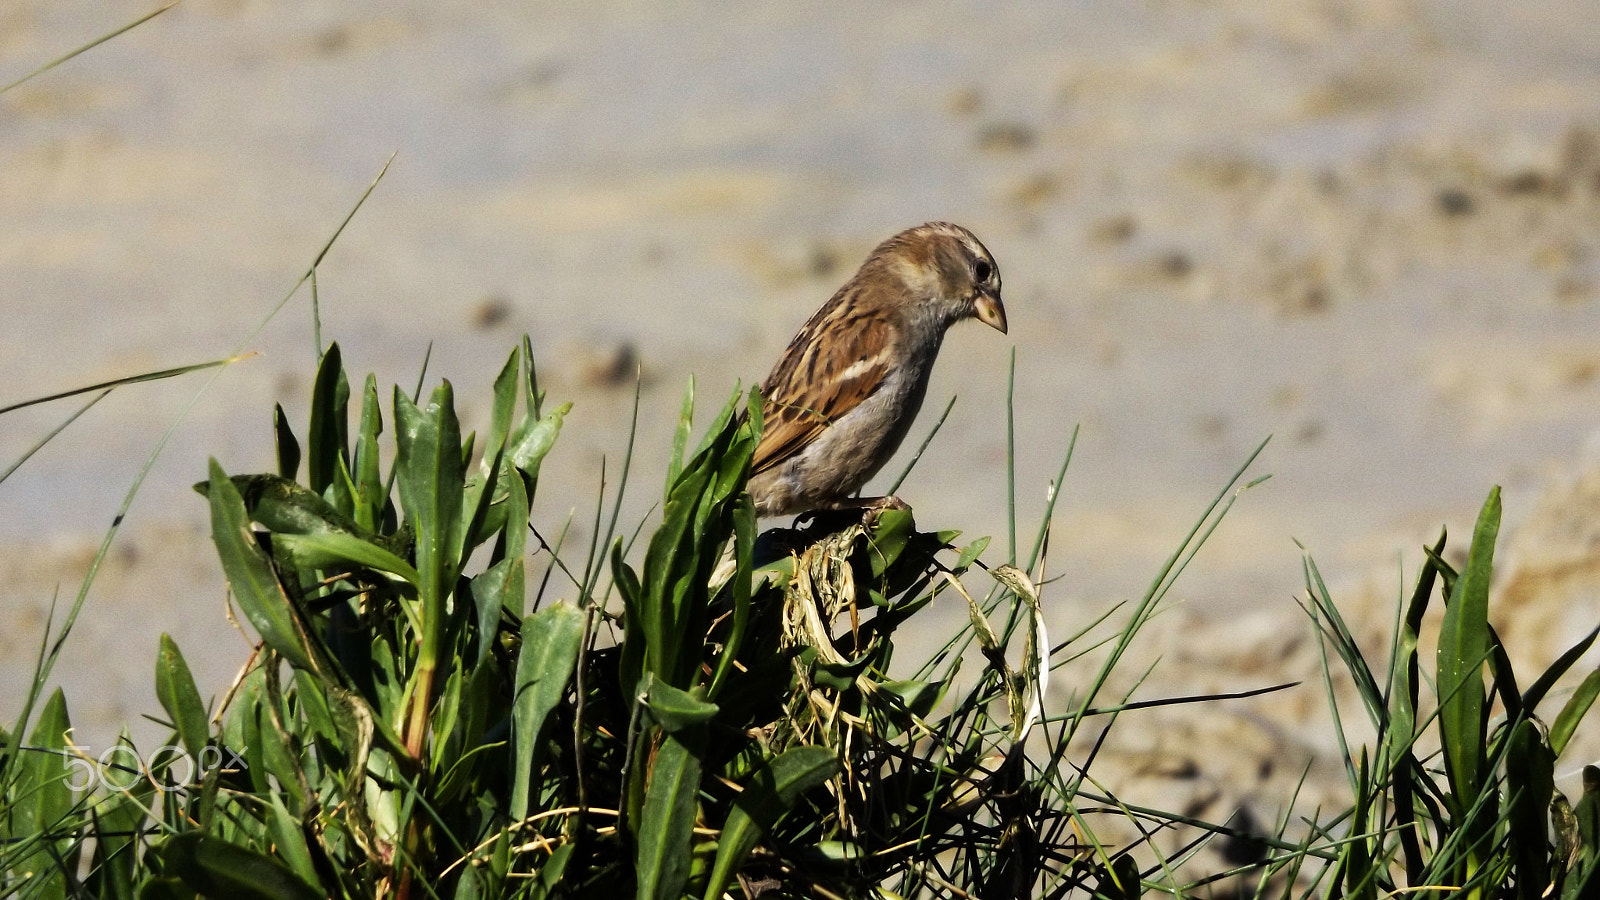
{"x": 1050, "y": 505}
{"x": 912, "y": 463}
{"x": 1566, "y": 722}
{"x": 166, "y": 436}
{"x": 534, "y": 397}
{"x": 117, "y": 822}
{"x": 622, "y": 486}
{"x": 28, "y": 454}
{"x": 89, "y": 46}
{"x": 1563, "y": 664}
{"x": 127, "y": 379}
{"x": 1011, "y": 458}
{"x": 744, "y": 537}
{"x": 1404, "y": 697}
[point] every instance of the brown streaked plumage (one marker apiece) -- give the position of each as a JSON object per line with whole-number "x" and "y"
{"x": 842, "y": 397}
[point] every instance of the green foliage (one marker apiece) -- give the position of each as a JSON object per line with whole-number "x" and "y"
{"x": 1483, "y": 829}
{"x": 414, "y": 723}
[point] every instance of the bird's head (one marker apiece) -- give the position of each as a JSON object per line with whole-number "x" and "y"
{"x": 946, "y": 268}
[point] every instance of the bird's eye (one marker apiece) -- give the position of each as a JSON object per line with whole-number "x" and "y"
{"x": 981, "y": 270}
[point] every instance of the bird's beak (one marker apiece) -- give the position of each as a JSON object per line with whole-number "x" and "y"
{"x": 988, "y": 310}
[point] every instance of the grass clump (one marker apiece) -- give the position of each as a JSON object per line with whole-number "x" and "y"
{"x": 718, "y": 717}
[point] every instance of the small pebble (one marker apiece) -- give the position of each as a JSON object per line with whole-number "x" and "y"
{"x": 1455, "y": 202}
{"x": 491, "y": 311}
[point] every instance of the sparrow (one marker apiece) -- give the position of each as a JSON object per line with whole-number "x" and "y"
{"x": 843, "y": 396}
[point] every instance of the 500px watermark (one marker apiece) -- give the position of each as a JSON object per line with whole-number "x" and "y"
{"x": 168, "y": 768}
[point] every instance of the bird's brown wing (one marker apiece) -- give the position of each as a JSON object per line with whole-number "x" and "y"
{"x": 820, "y": 379}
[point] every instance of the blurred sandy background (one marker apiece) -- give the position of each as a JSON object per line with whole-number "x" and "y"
{"x": 1369, "y": 228}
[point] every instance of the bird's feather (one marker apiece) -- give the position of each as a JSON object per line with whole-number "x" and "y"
{"x": 795, "y": 412}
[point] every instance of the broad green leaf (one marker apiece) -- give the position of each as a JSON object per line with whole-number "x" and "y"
{"x": 635, "y": 643}
{"x": 768, "y": 794}
{"x": 666, "y": 822}
{"x": 673, "y": 709}
{"x": 166, "y": 889}
{"x": 290, "y": 841}
{"x": 1120, "y": 880}
{"x": 551, "y": 640}
{"x": 1530, "y": 783}
{"x": 532, "y": 442}
{"x": 279, "y": 758}
{"x": 469, "y": 748}
{"x": 327, "y": 441}
{"x": 505, "y": 402}
{"x": 549, "y": 875}
{"x": 889, "y": 536}
{"x": 680, "y": 436}
{"x": 534, "y": 399}
{"x": 970, "y": 554}
{"x": 286, "y": 507}
{"x": 918, "y": 697}
{"x": 252, "y": 748}
{"x": 696, "y": 522}
{"x": 288, "y": 449}
{"x": 515, "y": 537}
{"x": 250, "y": 574}
{"x": 719, "y": 426}
{"x": 216, "y": 868}
{"x": 241, "y": 709}
{"x": 490, "y": 596}
{"x": 367, "y": 473}
{"x": 118, "y": 819}
{"x": 1587, "y": 813}
{"x": 431, "y": 481}
{"x": 43, "y": 798}
{"x": 444, "y": 717}
{"x": 1463, "y": 647}
{"x": 473, "y": 885}
{"x": 314, "y": 707}
{"x": 332, "y": 550}
{"x": 481, "y": 519}
{"x": 180, "y": 698}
